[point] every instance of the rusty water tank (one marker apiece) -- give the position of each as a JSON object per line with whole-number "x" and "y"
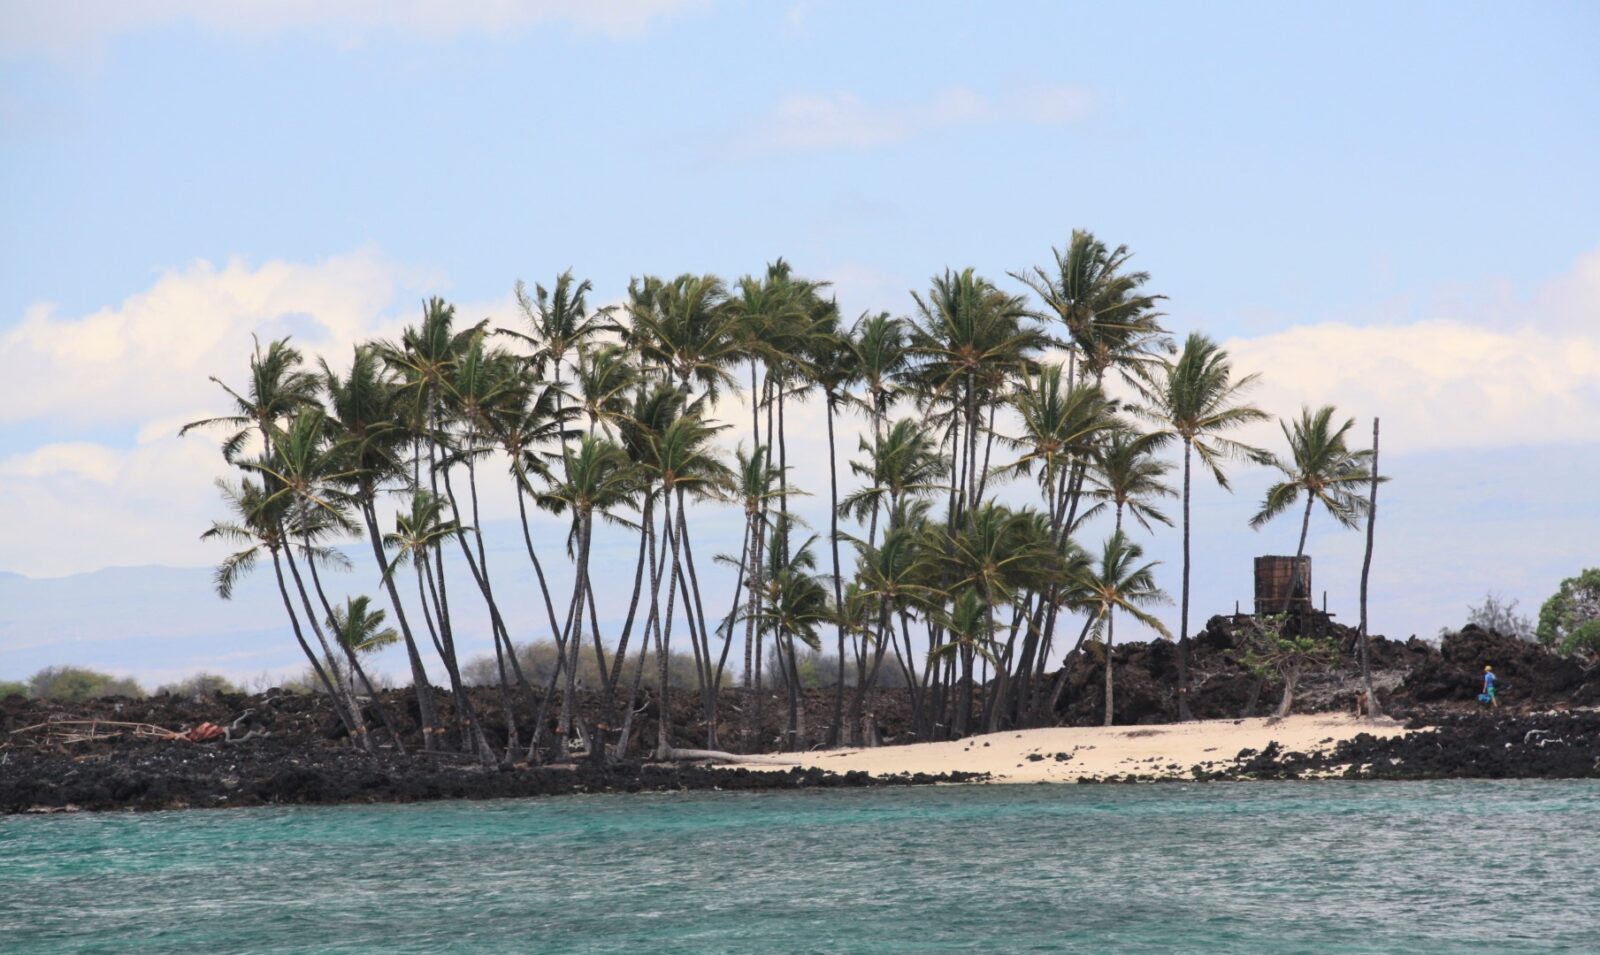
{"x": 1275, "y": 579}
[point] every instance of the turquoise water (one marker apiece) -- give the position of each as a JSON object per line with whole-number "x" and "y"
{"x": 1260, "y": 867}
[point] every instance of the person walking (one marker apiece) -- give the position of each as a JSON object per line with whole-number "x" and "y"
{"x": 1487, "y": 696}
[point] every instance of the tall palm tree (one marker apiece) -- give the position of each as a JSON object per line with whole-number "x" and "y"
{"x": 599, "y": 479}
{"x": 1110, "y": 322}
{"x": 1122, "y": 583}
{"x": 970, "y": 338}
{"x": 364, "y": 410}
{"x": 904, "y": 463}
{"x": 558, "y": 323}
{"x": 279, "y": 386}
{"x": 1323, "y": 467}
{"x": 831, "y": 360}
{"x": 1196, "y": 399}
{"x": 1060, "y": 423}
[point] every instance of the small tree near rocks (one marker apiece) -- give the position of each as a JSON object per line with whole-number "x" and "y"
{"x": 1570, "y": 620}
{"x": 1269, "y": 652}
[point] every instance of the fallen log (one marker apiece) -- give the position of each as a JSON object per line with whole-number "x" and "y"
{"x": 718, "y": 756}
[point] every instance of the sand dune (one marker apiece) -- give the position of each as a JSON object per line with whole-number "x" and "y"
{"x": 1164, "y": 750}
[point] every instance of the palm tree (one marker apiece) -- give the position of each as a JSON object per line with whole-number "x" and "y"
{"x": 904, "y": 463}
{"x": 558, "y": 323}
{"x": 994, "y": 553}
{"x": 420, "y": 531}
{"x": 831, "y": 360}
{"x": 1125, "y": 475}
{"x": 1060, "y": 423}
{"x": 970, "y": 338}
{"x": 364, "y": 410}
{"x": 796, "y": 606}
{"x": 271, "y": 523}
{"x": 1110, "y": 322}
{"x": 1324, "y": 468}
{"x": 1122, "y": 583}
{"x": 1196, "y": 399}
{"x": 359, "y": 630}
{"x": 279, "y": 386}
{"x": 682, "y": 328}
{"x": 599, "y": 479}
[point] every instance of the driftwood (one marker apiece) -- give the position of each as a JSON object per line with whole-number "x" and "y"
{"x": 717, "y": 756}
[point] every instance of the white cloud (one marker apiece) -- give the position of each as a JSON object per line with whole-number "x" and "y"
{"x": 141, "y": 367}
{"x": 809, "y": 122}
{"x": 148, "y": 356}
{"x": 67, "y": 30}
{"x": 1517, "y": 373}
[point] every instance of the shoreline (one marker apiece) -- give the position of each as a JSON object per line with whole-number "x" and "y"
{"x": 1079, "y": 753}
{"x": 147, "y": 775}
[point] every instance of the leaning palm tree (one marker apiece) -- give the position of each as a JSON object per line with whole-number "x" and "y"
{"x": 279, "y": 385}
{"x": 1122, "y": 583}
{"x": 1196, "y": 399}
{"x": 270, "y": 523}
{"x": 599, "y": 480}
{"x": 1323, "y": 468}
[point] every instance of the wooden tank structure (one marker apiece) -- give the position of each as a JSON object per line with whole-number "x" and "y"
{"x": 1283, "y": 585}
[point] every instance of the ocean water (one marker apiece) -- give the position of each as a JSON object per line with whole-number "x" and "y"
{"x": 1258, "y": 867}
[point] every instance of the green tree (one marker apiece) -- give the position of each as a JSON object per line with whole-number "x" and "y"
{"x": 1196, "y": 399}
{"x": 1323, "y": 467}
{"x": 1120, "y": 582}
{"x": 1270, "y": 652}
{"x": 1570, "y": 619}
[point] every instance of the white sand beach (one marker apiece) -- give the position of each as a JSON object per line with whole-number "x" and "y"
{"x": 1163, "y": 750}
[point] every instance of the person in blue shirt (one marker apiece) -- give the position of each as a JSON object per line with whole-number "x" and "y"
{"x": 1487, "y": 696}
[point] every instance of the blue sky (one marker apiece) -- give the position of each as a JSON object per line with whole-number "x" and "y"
{"x": 1388, "y": 207}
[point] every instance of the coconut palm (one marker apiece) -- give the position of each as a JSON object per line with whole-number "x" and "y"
{"x": 420, "y": 532}
{"x": 279, "y": 386}
{"x": 1125, "y": 475}
{"x": 1060, "y": 424}
{"x": 904, "y": 463}
{"x": 795, "y": 608}
{"x": 682, "y": 328}
{"x": 358, "y": 630}
{"x": 1110, "y": 322}
{"x": 1325, "y": 469}
{"x": 1196, "y": 399}
{"x": 273, "y": 523}
{"x": 599, "y": 479}
{"x": 969, "y": 337}
{"x": 1120, "y": 582}
{"x": 557, "y": 323}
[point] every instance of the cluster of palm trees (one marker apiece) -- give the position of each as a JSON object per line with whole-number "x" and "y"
{"x": 949, "y": 570}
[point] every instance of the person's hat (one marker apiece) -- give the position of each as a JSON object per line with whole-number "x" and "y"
{"x": 1487, "y": 669}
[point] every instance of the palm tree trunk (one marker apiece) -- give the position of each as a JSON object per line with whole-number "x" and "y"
{"x": 1183, "y": 614}
{"x": 1373, "y": 709}
{"x": 575, "y": 641}
{"x": 1295, "y": 582}
{"x": 1111, "y": 630}
{"x": 349, "y": 709}
{"x": 353, "y": 657}
{"x": 708, "y": 687}
{"x": 420, "y": 684}
{"x": 834, "y": 730}
{"x": 664, "y": 643}
{"x": 316, "y": 667}
{"x": 617, "y": 658}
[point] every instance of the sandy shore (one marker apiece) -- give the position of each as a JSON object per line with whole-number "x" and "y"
{"x": 1166, "y": 750}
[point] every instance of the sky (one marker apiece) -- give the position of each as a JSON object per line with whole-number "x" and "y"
{"x": 1389, "y": 208}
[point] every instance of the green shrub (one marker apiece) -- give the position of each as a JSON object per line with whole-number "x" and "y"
{"x": 12, "y": 688}
{"x": 68, "y": 684}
